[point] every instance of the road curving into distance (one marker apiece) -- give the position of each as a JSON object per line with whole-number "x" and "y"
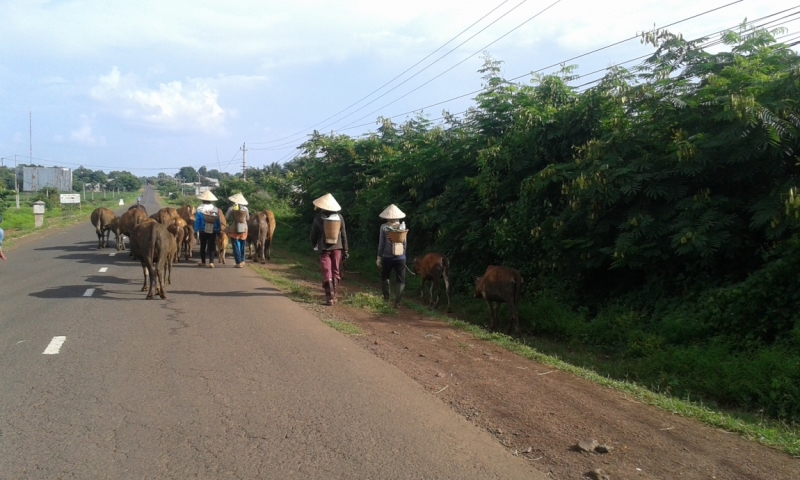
{"x": 226, "y": 378}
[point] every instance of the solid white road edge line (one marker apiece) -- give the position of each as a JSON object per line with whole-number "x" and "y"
{"x": 112, "y": 254}
{"x": 103, "y": 270}
{"x": 89, "y": 292}
{"x": 55, "y": 346}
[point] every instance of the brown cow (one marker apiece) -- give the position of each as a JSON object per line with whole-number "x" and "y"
{"x": 166, "y": 216}
{"x": 153, "y": 245}
{"x": 101, "y": 219}
{"x": 127, "y": 222}
{"x": 260, "y": 230}
{"x": 138, "y": 207}
{"x": 187, "y": 212}
{"x": 500, "y": 285}
{"x": 188, "y": 244}
{"x": 178, "y": 230}
{"x": 433, "y": 267}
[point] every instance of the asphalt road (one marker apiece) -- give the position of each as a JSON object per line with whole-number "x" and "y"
{"x": 226, "y": 378}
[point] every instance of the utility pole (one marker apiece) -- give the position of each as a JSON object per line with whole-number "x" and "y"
{"x": 244, "y": 165}
{"x": 84, "y": 192}
{"x": 16, "y": 186}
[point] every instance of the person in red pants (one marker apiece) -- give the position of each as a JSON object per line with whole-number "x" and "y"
{"x": 329, "y": 239}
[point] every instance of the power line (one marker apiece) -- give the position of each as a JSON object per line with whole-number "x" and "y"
{"x": 347, "y": 127}
{"x": 402, "y": 73}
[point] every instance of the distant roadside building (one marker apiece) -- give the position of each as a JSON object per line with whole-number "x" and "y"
{"x": 37, "y": 178}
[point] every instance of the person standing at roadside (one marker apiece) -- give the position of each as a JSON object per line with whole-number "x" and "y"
{"x": 2, "y": 234}
{"x": 392, "y": 253}
{"x": 237, "y": 228}
{"x": 206, "y": 227}
{"x": 329, "y": 239}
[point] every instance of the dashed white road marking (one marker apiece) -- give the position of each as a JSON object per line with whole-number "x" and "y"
{"x": 55, "y": 346}
{"x": 103, "y": 270}
{"x": 89, "y": 292}
{"x": 112, "y": 254}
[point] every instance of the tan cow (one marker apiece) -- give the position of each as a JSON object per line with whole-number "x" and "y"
{"x": 127, "y": 222}
{"x": 187, "y": 212}
{"x": 221, "y": 243}
{"x": 500, "y": 285}
{"x": 178, "y": 230}
{"x": 101, "y": 219}
{"x": 260, "y": 230}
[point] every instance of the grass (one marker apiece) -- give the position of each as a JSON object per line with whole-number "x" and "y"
{"x": 291, "y": 252}
{"x": 344, "y": 327}
{"x": 369, "y": 302}
{"x": 19, "y": 223}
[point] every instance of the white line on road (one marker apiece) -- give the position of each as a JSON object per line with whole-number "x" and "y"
{"x": 55, "y": 346}
{"x": 89, "y": 292}
{"x": 112, "y": 254}
{"x": 103, "y": 270}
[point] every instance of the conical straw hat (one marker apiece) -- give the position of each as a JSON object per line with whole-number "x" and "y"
{"x": 327, "y": 202}
{"x": 207, "y": 196}
{"x": 238, "y": 198}
{"x": 392, "y": 213}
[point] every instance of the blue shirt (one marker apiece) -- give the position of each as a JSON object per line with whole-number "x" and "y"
{"x": 2, "y": 234}
{"x": 200, "y": 223}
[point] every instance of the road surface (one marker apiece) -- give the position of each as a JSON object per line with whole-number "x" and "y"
{"x": 226, "y": 378}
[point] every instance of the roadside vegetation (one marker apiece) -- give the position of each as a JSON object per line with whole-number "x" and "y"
{"x": 653, "y": 214}
{"x": 17, "y": 223}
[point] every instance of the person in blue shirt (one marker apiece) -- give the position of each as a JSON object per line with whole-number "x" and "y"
{"x": 2, "y": 234}
{"x": 205, "y": 232}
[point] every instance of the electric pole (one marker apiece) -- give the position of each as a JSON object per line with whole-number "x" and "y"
{"x": 244, "y": 165}
{"x": 16, "y": 186}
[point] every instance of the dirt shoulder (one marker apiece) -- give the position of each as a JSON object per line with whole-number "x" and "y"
{"x": 541, "y": 413}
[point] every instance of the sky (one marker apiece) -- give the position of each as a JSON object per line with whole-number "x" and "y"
{"x": 150, "y": 86}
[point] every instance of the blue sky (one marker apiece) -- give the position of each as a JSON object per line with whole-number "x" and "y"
{"x": 151, "y": 86}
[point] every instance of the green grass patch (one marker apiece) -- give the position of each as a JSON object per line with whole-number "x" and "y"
{"x": 370, "y": 302}
{"x": 344, "y": 327}
{"x": 293, "y": 290}
{"x": 20, "y": 222}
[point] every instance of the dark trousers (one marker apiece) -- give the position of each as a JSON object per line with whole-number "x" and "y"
{"x": 208, "y": 244}
{"x": 398, "y": 265}
{"x": 329, "y": 261}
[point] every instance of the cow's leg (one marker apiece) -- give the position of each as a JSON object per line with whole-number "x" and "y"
{"x": 162, "y": 292}
{"x": 422, "y": 290}
{"x": 268, "y": 247}
{"x": 434, "y": 288}
{"x": 144, "y": 272}
{"x": 153, "y": 279}
{"x": 491, "y": 314}
{"x": 514, "y": 318}
{"x": 446, "y": 279}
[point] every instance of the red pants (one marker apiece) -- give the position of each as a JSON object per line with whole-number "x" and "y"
{"x": 329, "y": 261}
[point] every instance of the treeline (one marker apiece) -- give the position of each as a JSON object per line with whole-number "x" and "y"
{"x": 654, "y": 216}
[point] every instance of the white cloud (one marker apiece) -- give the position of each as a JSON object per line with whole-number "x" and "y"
{"x": 171, "y": 106}
{"x": 84, "y": 136}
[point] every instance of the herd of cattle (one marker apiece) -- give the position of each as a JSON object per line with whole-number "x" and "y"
{"x": 159, "y": 240}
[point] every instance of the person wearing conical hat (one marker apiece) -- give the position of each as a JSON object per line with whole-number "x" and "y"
{"x": 237, "y": 228}
{"x": 392, "y": 256}
{"x": 329, "y": 239}
{"x": 2, "y": 255}
{"x": 207, "y": 227}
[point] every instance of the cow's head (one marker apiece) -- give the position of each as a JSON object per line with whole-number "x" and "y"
{"x": 417, "y": 265}
{"x": 478, "y": 287}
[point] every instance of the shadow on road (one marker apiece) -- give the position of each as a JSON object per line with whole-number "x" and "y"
{"x": 271, "y": 293}
{"x": 109, "y": 279}
{"x": 95, "y": 259}
{"x": 67, "y": 291}
{"x": 76, "y": 247}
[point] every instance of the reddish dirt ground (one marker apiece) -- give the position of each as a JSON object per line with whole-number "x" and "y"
{"x": 541, "y": 413}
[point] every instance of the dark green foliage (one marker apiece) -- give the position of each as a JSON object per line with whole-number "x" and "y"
{"x": 661, "y": 204}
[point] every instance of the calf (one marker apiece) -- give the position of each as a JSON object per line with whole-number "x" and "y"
{"x": 260, "y": 229}
{"x": 500, "y": 285}
{"x": 221, "y": 243}
{"x": 433, "y": 267}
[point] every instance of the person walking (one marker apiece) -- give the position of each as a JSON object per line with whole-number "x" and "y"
{"x": 207, "y": 226}
{"x": 392, "y": 245}
{"x": 329, "y": 239}
{"x": 2, "y": 234}
{"x": 237, "y": 228}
